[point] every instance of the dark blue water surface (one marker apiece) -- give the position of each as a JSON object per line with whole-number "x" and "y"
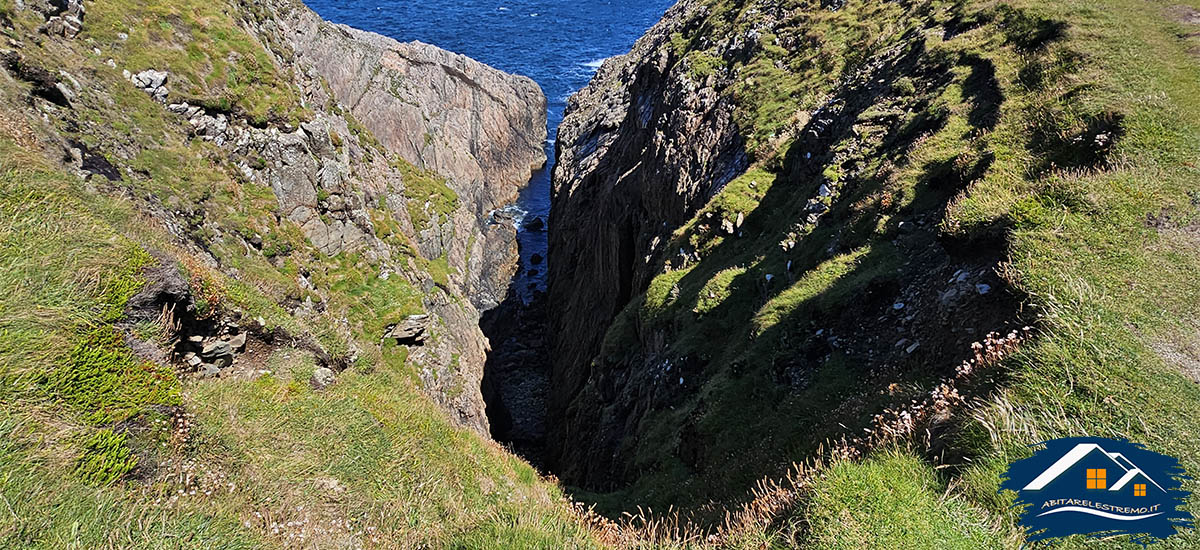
{"x": 558, "y": 43}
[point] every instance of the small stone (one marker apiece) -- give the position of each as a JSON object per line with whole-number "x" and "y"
{"x": 209, "y": 370}
{"x": 216, "y": 349}
{"x": 322, "y": 378}
{"x": 193, "y": 361}
{"x": 195, "y": 339}
{"x": 898, "y": 306}
{"x": 983, "y": 288}
{"x": 913, "y": 347}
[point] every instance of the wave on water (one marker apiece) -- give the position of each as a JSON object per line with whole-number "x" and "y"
{"x": 595, "y": 65}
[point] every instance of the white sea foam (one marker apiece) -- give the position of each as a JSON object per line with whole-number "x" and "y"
{"x": 595, "y": 64}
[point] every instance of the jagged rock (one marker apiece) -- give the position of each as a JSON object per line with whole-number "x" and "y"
{"x": 322, "y": 378}
{"x": 217, "y": 349}
{"x": 152, "y": 82}
{"x": 412, "y": 331}
{"x": 63, "y": 17}
{"x": 150, "y": 79}
{"x": 209, "y": 370}
{"x": 165, "y": 289}
{"x": 238, "y": 341}
{"x": 534, "y": 224}
{"x": 399, "y": 90}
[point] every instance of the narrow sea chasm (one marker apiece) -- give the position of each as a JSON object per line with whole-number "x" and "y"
{"x": 560, "y": 45}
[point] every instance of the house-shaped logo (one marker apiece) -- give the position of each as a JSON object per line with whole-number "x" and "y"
{"x": 1099, "y": 487}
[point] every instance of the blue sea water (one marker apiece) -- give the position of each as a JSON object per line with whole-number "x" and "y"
{"x": 558, "y": 43}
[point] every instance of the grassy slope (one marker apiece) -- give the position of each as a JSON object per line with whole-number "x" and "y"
{"x": 101, "y": 449}
{"x": 1106, "y": 257}
{"x": 1112, "y": 290}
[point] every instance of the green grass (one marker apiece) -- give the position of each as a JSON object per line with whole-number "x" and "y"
{"x": 212, "y": 60}
{"x": 106, "y": 383}
{"x": 430, "y": 199}
{"x": 891, "y": 501}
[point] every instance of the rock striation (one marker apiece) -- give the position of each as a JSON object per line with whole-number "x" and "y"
{"x": 480, "y": 128}
{"x": 640, "y": 149}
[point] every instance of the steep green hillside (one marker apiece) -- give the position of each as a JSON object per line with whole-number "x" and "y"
{"x": 107, "y": 440}
{"x": 924, "y": 173}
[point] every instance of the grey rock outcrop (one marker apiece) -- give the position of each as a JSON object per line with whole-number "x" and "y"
{"x": 414, "y": 330}
{"x": 63, "y": 17}
{"x": 480, "y": 128}
{"x": 152, "y": 82}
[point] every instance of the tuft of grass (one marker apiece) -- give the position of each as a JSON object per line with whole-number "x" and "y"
{"x": 891, "y": 500}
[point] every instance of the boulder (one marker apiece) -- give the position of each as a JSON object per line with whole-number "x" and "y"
{"x": 216, "y": 349}
{"x": 413, "y": 330}
{"x": 322, "y": 378}
{"x": 165, "y": 288}
{"x": 63, "y": 17}
{"x": 534, "y": 224}
{"x": 150, "y": 79}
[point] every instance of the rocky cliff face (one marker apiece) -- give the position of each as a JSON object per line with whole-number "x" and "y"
{"x": 381, "y": 159}
{"x": 480, "y": 128}
{"x": 625, "y": 179}
{"x": 750, "y": 249}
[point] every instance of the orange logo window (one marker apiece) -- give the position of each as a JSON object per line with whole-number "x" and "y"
{"x": 1097, "y": 478}
{"x": 1139, "y": 489}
